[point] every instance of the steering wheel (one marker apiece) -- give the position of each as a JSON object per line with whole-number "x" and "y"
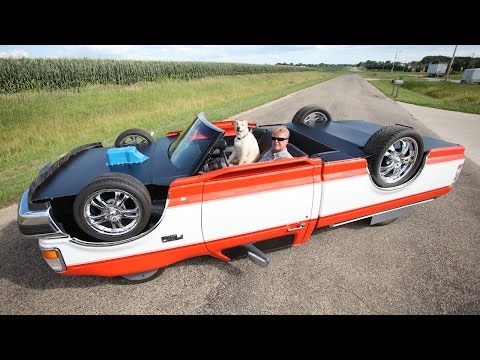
{"x": 222, "y": 145}
{"x": 215, "y": 162}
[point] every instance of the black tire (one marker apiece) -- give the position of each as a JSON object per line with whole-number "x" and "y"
{"x": 134, "y": 137}
{"x": 390, "y": 167}
{"x": 312, "y": 115}
{"x": 98, "y": 214}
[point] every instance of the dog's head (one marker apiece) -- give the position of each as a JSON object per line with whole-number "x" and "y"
{"x": 241, "y": 127}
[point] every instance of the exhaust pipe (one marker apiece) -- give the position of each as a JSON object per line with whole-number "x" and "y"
{"x": 256, "y": 255}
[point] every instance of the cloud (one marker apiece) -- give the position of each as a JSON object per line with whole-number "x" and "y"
{"x": 15, "y": 53}
{"x": 259, "y": 54}
{"x": 113, "y": 49}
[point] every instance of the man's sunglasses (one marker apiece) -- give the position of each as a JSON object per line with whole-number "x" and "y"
{"x": 278, "y": 138}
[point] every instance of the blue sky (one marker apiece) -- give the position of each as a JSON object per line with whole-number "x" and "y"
{"x": 253, "y": 54}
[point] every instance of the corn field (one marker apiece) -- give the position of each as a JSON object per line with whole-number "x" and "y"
{"x": 53, "y": 74}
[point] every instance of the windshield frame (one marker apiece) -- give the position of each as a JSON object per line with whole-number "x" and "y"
{"x": 181, "y": 146}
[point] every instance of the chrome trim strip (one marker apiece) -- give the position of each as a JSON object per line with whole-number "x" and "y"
{"x": 35, "y": 223}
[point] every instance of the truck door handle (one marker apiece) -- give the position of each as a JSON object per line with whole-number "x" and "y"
{"x": 301, "y": 226}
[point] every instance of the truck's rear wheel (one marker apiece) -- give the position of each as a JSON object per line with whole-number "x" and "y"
{"x": 134, "y": 137}
{"x": 312, "y": 115}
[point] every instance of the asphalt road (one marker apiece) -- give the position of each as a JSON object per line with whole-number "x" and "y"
{"x": 424, "y": 264}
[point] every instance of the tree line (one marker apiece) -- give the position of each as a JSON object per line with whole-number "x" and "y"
{"x": 459, "y": 64}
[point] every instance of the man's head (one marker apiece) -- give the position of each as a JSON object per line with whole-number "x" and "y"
{"x": 280, "y": 137}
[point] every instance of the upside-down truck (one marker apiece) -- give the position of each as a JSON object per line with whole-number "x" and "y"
{"x": 143, "y": 204}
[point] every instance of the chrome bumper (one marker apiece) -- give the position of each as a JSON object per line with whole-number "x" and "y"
{"x": 35, "y": 219}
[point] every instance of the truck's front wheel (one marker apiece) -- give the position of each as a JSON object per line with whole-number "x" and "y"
{"x": 395, "y": 154}
{"x": 112, "y": 207}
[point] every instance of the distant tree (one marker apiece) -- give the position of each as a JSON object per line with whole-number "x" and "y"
{"x": 435, "y": 59}
{"x": 471, "y": 63}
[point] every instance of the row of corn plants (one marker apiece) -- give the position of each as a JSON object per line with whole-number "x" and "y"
{"x": 21, "y": 74}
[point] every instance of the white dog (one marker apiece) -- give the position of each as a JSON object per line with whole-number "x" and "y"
{"x": 245, "y": 146}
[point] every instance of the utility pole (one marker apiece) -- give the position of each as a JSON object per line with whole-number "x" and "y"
{"x": 471, "y": 61}
{"x": 394, "y": 61}
{"x": 451, "y": 62}
{"x": 398, "y": 52}
{"x": 404, "y": 64}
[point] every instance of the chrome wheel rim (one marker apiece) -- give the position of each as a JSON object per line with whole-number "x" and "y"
{"x": 315, "y": 118}
{"x": 112, "y": 212}
{"x": 398, "y": 160}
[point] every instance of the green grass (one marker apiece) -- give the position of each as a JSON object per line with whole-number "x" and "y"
{"x": 439, "y": 95}
{"x": 39, "y": 126}
{"x": 387, "y": 74}
{"x": 455, "y": 76}
{"x": 418, "y": 90}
